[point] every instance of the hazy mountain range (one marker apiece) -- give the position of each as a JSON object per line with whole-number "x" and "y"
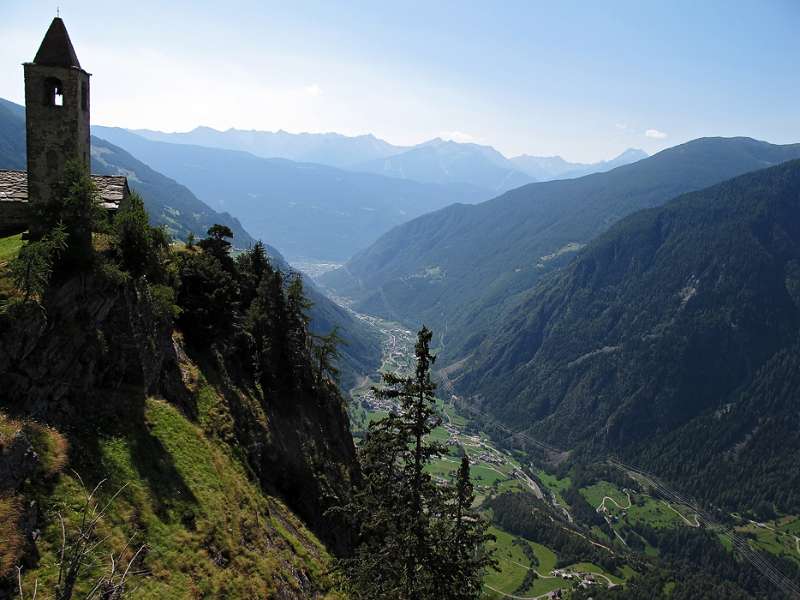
{"x": 307, "y": 210}
{"x": 546, "y": 168}
{"x": 331, "y": 149}
{"x": 441, "y": 161}
{"x": 435, "y": 161}
{"x": 355, "y": 190}
{"x": 462, "y": 268}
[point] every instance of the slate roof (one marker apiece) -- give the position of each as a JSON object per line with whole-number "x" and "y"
{"x": 56, "y": 49}
{"x": 13, "y": 186}
{"x": 111, "y": 189}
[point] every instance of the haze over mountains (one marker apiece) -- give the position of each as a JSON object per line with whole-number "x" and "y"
{"x": 461, "y": 268}
{"x": 546, "y": 168}
{"x": 441, "y": 161}
{"x": 346, "y": 193}
{"x": 437, "y": 160}
{"x": 333, "y": 149}
{"x": 307, "y": 210}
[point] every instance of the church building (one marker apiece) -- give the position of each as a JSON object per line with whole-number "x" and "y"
{"x": 57, "y": 104}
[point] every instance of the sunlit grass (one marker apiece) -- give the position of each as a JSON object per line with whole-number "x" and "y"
{"x": 9, "y": 247}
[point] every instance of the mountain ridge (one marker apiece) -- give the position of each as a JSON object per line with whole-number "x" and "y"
{"x": 446, "y": 161}
{"x": 333, "y": 149}
{"x": 459, "y": 269}
{"x": 369, "y": 153}
{"x": 546, "y": 168}
{"x": 307, "y": 210}
{"x": 670, "y": 339}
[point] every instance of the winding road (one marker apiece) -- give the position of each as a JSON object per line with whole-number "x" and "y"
{"x": 602, "y": 506}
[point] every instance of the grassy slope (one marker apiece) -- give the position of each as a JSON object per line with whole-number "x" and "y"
{"x": 209, "y": 530}
{"x": 9, "y": 246}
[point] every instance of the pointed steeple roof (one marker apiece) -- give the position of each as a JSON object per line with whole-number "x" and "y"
{"x": 56, "y": 49}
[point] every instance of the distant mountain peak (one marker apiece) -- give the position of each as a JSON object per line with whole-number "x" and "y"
{"x": 546, "y": 168}
{"x": 636, "y": 153}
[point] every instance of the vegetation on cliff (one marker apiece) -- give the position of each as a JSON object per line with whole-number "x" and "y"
{"x": 186, "y": 381}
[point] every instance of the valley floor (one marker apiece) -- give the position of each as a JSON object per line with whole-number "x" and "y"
{"x": 493, "y": 471}
{"x": 535, "y": 571}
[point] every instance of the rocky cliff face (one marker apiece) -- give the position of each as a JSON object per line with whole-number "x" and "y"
{"x": 97, "y": 362}
{"x": 90, "y": 341}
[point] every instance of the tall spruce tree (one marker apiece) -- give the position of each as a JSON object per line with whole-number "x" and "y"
{"x": 468, "y": 557}
{"x": 418, "y": 540}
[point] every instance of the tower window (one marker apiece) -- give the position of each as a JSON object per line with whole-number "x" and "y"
{"x": 53, "y": 92}
{"x": 84, "y": 96}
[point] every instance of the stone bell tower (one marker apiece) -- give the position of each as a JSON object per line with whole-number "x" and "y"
{"x": 57, "y": 113}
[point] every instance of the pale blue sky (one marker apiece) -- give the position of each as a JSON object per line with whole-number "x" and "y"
{"x": 582, "y": 79}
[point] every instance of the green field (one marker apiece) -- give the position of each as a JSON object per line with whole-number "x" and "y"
{"x": 655, "y": 513}
{"x": 585, "y": 567}
{"x": 9, "y": 247}
{"x": 773, "y": 537}
{"x": 554, "y": 484}
{"x": 594, "y": 495}
{"x": 514, "y": 565}
{"x": 643, "y": 509}
{"x": 454, "y": 418}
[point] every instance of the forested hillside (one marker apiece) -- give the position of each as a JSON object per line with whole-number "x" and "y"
{"x": 460, "y": 269}
{"x": 12, "y": 136}
{"x": 672, "y": 340}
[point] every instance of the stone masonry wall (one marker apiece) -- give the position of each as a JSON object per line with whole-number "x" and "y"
{"x": 13, "y": 217}
{"x": 55, "y": 134}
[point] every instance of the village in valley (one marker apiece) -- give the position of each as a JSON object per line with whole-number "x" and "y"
{"x": 493, "y": 472}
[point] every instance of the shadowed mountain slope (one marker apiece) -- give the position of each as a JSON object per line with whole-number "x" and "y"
{"x": 672, "y": 339}
{"x": 460, "y": 268}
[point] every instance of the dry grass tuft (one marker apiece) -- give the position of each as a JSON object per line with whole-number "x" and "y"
{"x": 12, "y": 542}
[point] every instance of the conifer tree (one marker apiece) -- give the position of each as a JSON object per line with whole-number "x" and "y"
{"x": 75, "y": 206}
{"x": 417, "y": 540}
{"x": 468, "y": 557}
{"x": 141, "y": 248}
{"x": 32, "y": 268}
{"x": 326, "y": 354}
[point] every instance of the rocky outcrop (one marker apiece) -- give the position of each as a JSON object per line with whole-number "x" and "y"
{"x": 90, "y": 339}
